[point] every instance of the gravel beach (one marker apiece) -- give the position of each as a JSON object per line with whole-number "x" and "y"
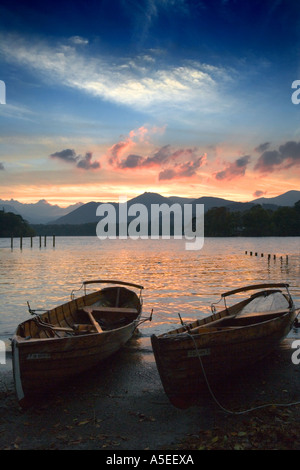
{"x": 121, "y": 405}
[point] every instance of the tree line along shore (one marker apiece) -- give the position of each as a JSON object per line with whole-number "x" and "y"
{"x": 218, "y": 222}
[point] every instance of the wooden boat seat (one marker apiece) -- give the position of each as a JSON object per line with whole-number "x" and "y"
{"x": 213, "y": 323}
{"x": 100, "y": 309}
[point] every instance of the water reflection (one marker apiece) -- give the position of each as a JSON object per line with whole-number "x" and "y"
{"x": 175, "y": 280}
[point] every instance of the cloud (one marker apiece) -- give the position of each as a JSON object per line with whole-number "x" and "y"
{"x": 142, "y": 13}
{"x": 259, "y": 193}
{"x": 131, "y": 161}
{"x": 287, "y": 156}
{"x": 173, "y": 163}
{"x": 69, "y": 156}
{"x": 118, "y": 149}
{"x": 86, "y": 162}
{"x": 78, "y": 40}
{"x": 135, "y": 81}
{"x": 235, "y": 169}
{"x": 135, "y": 136}
{"x": 2, "y": 166}
{"x": 262, "y": 147}
{"x": 164, "y": 155}
{"x": 183, "y": 170}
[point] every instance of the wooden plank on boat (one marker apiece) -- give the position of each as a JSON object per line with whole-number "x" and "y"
{"x": 215, "y": 322}
{"x": 58, "y": 328}
{"x": 112, "y": 310}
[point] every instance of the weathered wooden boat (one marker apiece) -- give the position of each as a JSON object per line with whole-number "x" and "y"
{"x": 57, "y": 344}
{"x": 208, "y": 350}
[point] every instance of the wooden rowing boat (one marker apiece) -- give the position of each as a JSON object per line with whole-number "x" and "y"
{"x": 210, "y": 349}
{"x": 62, "y": 342}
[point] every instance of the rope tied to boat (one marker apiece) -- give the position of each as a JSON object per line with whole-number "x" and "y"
{"x": 35, "y": 312}
{"x": 211, "y": 391}
{"x": 144, "y": 319}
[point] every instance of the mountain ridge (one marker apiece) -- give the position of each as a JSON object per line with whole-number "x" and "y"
{"x": 38, "y": 212}
{"x": 87, "y": 212}
{"x": 43, "y": 212}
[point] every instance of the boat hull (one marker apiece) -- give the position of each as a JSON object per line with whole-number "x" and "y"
{"x": 41, "y": 365}
{"x": 72, "y": 338}
{"x": 188, "y": 363}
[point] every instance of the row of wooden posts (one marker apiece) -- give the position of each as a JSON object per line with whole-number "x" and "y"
{"x": 31, "y": 241}
{"x": 251, "y": 253}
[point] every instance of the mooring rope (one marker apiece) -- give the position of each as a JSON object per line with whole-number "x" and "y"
{"x": 217, "y": 401}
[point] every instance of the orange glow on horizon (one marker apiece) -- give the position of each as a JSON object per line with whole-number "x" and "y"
{"x": 66, "y": 196}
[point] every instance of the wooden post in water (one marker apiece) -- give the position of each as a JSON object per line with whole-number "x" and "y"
{"x": 53, "y": 240}
{"x": 21, "y": 242}
{"x": 45, "y": 240}
{"x": 31, "y": 242}
{"x": 40, "y": 241}
{"x": 11, "y": 242}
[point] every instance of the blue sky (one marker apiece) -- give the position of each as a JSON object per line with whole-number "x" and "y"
{"x": 111, "y": 98}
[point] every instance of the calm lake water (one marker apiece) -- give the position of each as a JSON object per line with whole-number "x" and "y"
{"x": 175, "y": 280}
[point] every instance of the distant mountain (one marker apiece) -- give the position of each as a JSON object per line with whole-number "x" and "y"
{"x": 40, "y": 212}
{"x": 180, "y": 200}
{"x": 149, "y": 198}
{"x": 287, "y": 199}
{"x": 210, "y": 202}
{"x": 44, "y": 213}
{"x": 82, "y": 215}
{"x": 87, "y": 212}
{"x": 8, "y": 208}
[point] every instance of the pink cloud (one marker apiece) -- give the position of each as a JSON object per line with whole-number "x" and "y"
{"x": 118, "y": 149}
{"x": 234, "y": 169}
{"x": 183, "y": 170}
{"x": 172, "y": 162}
{"x": 135, "y": 136}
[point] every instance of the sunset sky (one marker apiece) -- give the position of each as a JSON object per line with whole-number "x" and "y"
{"x": 113, "y": 98}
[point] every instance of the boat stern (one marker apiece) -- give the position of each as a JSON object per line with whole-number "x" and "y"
{"x": 16, "y": 370}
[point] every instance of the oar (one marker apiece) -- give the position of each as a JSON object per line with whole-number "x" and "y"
{"x": 89, "y": 310}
